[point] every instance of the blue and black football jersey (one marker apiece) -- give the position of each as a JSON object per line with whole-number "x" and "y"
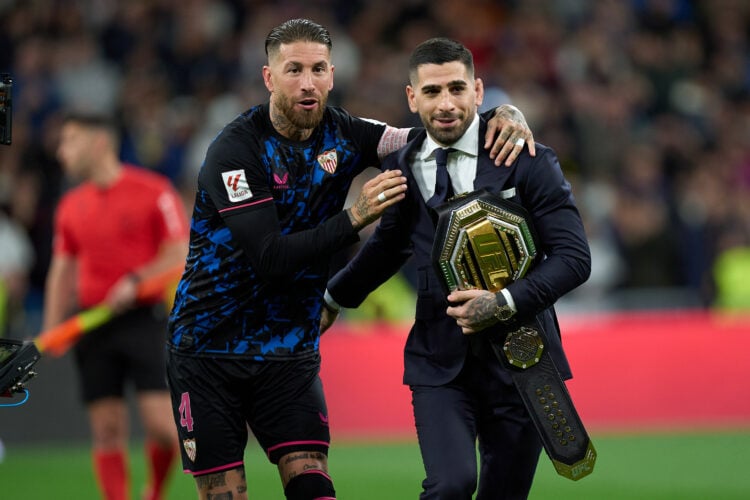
{"x": 255, "y": 290}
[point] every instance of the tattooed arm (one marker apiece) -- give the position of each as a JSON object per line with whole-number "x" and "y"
{"x": 275, "y": 255}
{"x": 506, "y": 126}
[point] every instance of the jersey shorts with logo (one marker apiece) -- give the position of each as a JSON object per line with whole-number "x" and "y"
{"x": 216, "y": 399}
{"x": 128, "y": 349}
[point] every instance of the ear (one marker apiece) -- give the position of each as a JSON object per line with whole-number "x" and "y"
{"x": 101, "y": 139}
{"x": 411, "y": 98}
{"x": 479, "y": 89}
{"x": 330, "y": 85}
{"x": 267, "y": 78}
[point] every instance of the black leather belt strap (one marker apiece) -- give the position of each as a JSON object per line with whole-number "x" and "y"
{"x": 547, "y": 400}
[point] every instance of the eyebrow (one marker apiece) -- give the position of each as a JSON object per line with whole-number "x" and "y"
{"x": 454, "y": 83}
{"x": 322, "y": 62}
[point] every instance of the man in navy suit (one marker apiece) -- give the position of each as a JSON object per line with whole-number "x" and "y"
{"x": 461, "y": 393}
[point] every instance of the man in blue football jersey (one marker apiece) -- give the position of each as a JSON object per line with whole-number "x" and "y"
{"x": 268, "y": 215}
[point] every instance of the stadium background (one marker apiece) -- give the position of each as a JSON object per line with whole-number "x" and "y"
{"x": 646, "y": 102}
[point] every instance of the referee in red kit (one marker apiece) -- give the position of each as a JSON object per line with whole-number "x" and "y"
{"x": 121, "y": 224}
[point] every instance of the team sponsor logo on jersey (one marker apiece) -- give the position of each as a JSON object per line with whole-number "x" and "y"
{"x": 236, "y": 185}
{"x": 328, "y": 160}
{"x": 190, "y": 449}
{"x": 281, "y": 181}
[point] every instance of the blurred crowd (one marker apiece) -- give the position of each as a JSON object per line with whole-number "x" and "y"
{"x": 646, "y": 102}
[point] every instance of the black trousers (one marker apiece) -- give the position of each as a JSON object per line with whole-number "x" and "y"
{"x": 481, "y": 406}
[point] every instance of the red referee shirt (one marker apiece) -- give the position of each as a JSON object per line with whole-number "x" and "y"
{"x": 112, "y": 231}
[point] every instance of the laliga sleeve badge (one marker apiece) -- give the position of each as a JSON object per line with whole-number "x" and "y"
{"x": 235, "y": 182}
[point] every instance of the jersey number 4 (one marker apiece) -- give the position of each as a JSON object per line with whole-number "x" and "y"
{"x": 186, "y": 417}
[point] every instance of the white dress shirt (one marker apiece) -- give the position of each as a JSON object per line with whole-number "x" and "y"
{"x": 462, "y": 163}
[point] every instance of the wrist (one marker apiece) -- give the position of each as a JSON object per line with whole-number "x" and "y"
{"x": 330, "y": 303}
{"x": 356, "y": 223}
{"x": 503, "y": 310}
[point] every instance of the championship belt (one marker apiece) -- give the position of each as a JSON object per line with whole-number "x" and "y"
{"x": 485, "y": 242}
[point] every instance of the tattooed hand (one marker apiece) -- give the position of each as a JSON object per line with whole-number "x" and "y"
{"x": 377, "y": 194}
{"x": 513, "y": 134}
{"x": 476, "y": 309}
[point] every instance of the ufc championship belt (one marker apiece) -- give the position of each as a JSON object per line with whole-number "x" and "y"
{"x": 485, "y": 242}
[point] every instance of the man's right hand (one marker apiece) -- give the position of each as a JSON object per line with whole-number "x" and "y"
{"x": 379, "y": 193}
{"x": 327, "y": 318}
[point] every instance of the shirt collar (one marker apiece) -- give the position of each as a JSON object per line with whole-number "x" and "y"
{"x": 468, "y": 144}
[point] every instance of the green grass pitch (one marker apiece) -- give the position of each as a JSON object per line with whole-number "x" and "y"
{"x": 682, "y": 466}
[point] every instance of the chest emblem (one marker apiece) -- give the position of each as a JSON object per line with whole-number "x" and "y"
{"x": 281, "y": 181}
{"x": 328, "y": 161}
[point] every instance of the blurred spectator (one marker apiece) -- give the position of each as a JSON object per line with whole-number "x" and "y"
{"x": 645, "y": 233}
{"x": 84, "y": 79}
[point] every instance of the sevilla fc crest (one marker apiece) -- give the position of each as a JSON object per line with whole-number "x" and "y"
{"x": 329, "y": 161}
{"x": 190, "y": 450}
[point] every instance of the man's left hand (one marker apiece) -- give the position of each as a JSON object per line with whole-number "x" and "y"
{"x": 509, "y": 125}
{"x": 122, "y": 296}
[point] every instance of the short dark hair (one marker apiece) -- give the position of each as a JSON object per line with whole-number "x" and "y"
{"x": 297, "y": 30}
{"x": 92, "y": 120}
{"x": 96, "y": 121}
{"x": 439, "y": 51}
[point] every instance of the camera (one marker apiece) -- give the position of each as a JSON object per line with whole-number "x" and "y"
{"x": 6, "y": 108}
{"x": 17, "y": 358}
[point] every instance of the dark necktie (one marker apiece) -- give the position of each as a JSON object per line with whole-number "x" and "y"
{"x": 443, "y": 189}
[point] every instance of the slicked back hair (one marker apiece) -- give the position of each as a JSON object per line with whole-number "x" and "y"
{"x": 296, "y": 30}
{"x": 439, "y": 51}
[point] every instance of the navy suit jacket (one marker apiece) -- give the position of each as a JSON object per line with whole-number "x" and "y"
{"x": 436, "y": 348}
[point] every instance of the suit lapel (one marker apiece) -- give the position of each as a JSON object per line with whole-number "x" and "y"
{"x": 407, "y": 151}
{"x": 403, "y": 157}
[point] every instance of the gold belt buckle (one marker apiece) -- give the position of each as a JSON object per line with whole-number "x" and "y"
{"x": 483, "y": 242}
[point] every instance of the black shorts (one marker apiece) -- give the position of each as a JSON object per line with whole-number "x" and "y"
{"x": 129, "y": 348}
{"x": 215, "y": 400}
